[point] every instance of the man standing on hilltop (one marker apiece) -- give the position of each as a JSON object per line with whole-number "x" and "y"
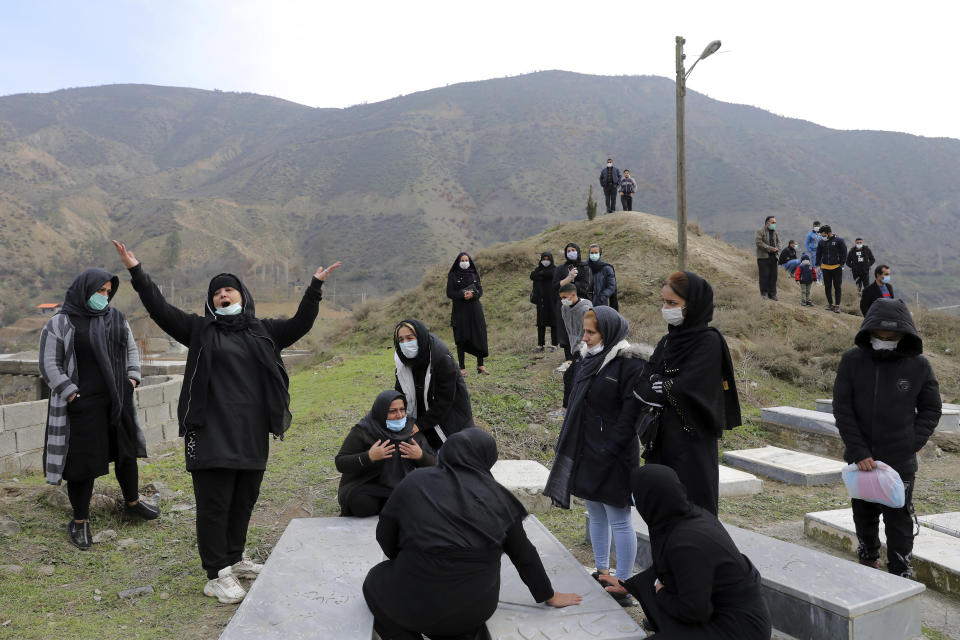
{"x": 813, "y": 241}
{"x": 610, "y": 181}
{"x": 628, "y": 186}
{"x": 860, "y": 259}
{"x": 831, "y": 255}
{"x": 768, "y": 248}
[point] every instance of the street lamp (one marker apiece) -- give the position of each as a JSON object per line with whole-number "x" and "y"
{"x": 681, "y": 153}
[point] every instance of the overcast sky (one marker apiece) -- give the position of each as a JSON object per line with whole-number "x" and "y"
{"x": 848, "y": 64}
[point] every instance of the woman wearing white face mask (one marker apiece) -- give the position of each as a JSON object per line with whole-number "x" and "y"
{"x": 573, "y": 271}
{"x": 689, "y": 384}
{"x": 544, "y": 295}
{"x": 234, "y": 396}
{"x": 437, "y": 398}
{"x": 466, "y": 312}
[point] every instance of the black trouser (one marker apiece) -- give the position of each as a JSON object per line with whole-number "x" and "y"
{"x": 860, "y": 277}
{"x": 898, "y": 525}
{"x": 225, "y": 499}
{"x": 627, "y": 202}
{"x": 388, "y": 629}
{"x": 542, "y": 335}
{"x": 568, "y": 379}
{"x": 767, "y": 269}
{"x": 461, "y": 357}
{"x": 81, "y": 492}
{"x": 367, "y": 500}
{"x": 610, "y": 194}
{"x": 832, "y": 278}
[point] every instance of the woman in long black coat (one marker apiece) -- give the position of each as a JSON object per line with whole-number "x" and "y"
{"x": 690, "y": 381}
{"x": 443, "y": 531}
{"x": 700, "y": 586}
{"x": 466, "y": 313}
{"x": 598, "y": 445}
{"x": 437, "y": 397}
{"x": 582, "y": 279}
{"x": 89, "y": 359}
{"x": 234, "y": 396}
{"x": 377, "y": 454}
{"x": 545, "y": 296}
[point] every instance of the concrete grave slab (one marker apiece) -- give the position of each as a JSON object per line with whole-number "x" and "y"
{"x": 948, "y": 523}
{"x": 812, "y": 595}
{"x": 311, "y": 585}
{"x": 803, "y": 419}
{"x": 825, "y": 405}
{"x": 936, "y": 555}
{"x": 949, "y": 419}
{"x": 791, "y": 467}
{"x": 734, "y": 482}
{"x": 526, "y": 480}
{"x": 518, "y": 617}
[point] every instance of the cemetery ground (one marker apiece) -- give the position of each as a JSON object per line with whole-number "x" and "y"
{"x": 50, "y": 589}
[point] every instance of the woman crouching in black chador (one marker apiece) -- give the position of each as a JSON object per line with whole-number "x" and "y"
{"x": 443, "y": 531}
{"x": 234, "y": 396}
{"x": 377, "y": 454}
{"x": 689, "y": 383}
{"x": 89, "y": 359}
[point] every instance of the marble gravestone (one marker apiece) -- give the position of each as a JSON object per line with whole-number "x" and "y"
{"x": 791, "y": 467}
{"x": 311, "y": 585}
{"x": 948, "y": 523}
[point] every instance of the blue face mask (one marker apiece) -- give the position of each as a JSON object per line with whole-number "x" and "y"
{"x": 232, "y": 310}
{"x": 772, "y": 226}
{"x": 594, "y": 257}
{"x": 396, "y": 425}
{"x": 98, "y": 302}
{"x": 885, "y": 279}
{"x": 409, "y": 349}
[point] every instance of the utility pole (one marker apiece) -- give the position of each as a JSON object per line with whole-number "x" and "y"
{"x": 681, "y": 160}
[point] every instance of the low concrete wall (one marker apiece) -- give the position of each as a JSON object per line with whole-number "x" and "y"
{"x": 23, "y": 425}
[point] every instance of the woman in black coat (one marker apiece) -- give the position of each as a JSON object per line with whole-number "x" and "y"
{"x": 598, "y": 445}
{"x": 443, "y": 531}
{"x": 466, "y": 312}
{"x": 700, "y": 586}
{"x": 234, "y": 396}
{"x": 377, "y": 454}
{"x": 574, "y": 270}
{"x": 545, "y": 296}
{"x": 689, "y": 382}
{"x": 89, "y": 359}
{"x": 436, "y": 394}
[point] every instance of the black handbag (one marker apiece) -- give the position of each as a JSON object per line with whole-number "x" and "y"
{"x": 648, "y": 428}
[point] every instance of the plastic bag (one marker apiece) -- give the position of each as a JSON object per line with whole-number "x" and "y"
{"x": 883, "y": 485}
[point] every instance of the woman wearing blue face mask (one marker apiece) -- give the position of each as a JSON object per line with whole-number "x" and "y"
{"x": 427, "y": 375}
{"x": 89, "y": 359}
{"x": 466, "y": 312}
{"x": 234, "y": 396}
{"x": 689, "y": 385}
{"x": 377, "y": 454}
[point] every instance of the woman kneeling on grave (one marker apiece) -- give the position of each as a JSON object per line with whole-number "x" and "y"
{"x": 443, "y": 531}
{"x": 700, "y": 586}
{"x": 377, "y": 454}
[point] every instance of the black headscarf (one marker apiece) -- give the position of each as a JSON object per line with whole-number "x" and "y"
{"x": 457, "y": 504}
{"x": 375, "y": 424}
{"x": 661, "y": 501}
{"x": 549, "y": 256}
{"x": 239, "y": 321}
{"x": 424, "y": 343}
{"x": 465, "y": 277}
{"x": 108, "y": 333}
{"x": 573, "y": 263}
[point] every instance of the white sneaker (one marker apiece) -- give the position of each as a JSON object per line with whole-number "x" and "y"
{"x": 246, "y": 569}
{"x": 225, "y": 587}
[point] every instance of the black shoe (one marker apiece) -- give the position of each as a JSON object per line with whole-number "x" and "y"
{"x": 79, "y": 534}
{"x": 142, "y": 510}
{"x": 774, "y": 298}
{"x": 836, "y": 308}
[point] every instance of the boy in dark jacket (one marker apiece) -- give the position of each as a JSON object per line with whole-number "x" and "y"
{"x": 860, "y": 259}
{"x": 805, "y": 275}
{"x": 886, "y": 401}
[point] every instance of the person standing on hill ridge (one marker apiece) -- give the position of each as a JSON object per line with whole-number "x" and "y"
{"x": 813, "y": 241}
{"x": 831, "y": 255}
{"x": 466, "y": 312}
{"x": 574, "y": 271}
{"x": 805, "y": 275}
{"x": 860, "y": 259}
{"x": 768, "y": 247}
{"x": 628, "y": 186}
{"x": 610, "y": 182}
{"x": 880, "y": 288}
{"x": 544, "y": 295}
{"x": 604, "y": 279}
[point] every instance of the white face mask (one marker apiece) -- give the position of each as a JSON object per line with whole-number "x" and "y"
{"x": 409, "y": 349}
{"x": 595, "y": 350}
{"x": 464, "y": 264}
{"x": 594, "y": 257}
{"x": 609, "y": 164}
{"x": 816, "y": 229}
{"x": 572, "y": 255}
{"x": 566, "y": 302}
{"x": 673, "y": 316}
{"x": 883, "y": 345}
{"x": 859, "y": 245}
{"x": 545, "y": 263}
{"x": 231, "y": 310}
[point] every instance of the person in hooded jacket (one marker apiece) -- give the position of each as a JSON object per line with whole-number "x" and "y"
{"x": 886, "y": 402}
{"x": 377, "y": 454}
{"x": 598, "y": 447}
{"x": 426, "y": 374}
{"x": 604, "y": 279}
{"x": 700, "y": 587}
{"x": 89, "y": 359}
{"x": 859, "y": 260}
{"x": 234, "y": 396}
{"x": 444, "y": 530}
{"x": 544, "y": 295}
{"x": 572, "y": 271}
{"x": 688, "y": 386}
{"x": 466, "y": 313}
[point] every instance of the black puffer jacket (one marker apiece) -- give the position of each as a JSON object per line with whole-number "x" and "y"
{"x": 886, "y": 403}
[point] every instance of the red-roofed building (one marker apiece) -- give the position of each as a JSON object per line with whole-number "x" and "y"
{"x": 48, "y": 308}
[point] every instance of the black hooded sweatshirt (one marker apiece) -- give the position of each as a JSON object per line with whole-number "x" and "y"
{"x": 353, "y": 459}
{"x": 886, "y": 403}
{"x": 235, "y": 385}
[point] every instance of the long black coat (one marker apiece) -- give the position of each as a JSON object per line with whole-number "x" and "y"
{"x": 466, "y": 316}
{"x": 545, "y": 295}
{"x": 886, "y": 404}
